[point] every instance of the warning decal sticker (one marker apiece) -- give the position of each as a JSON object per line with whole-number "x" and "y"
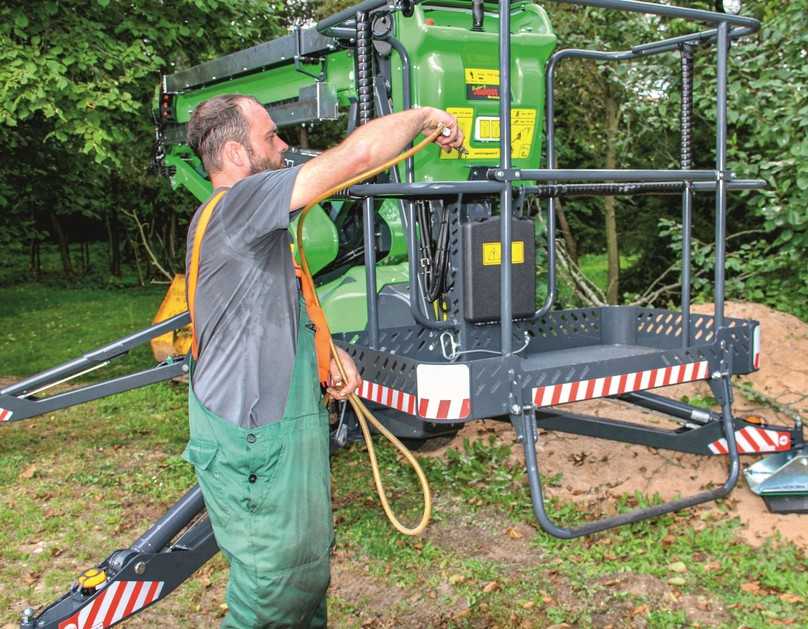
{"x": 482, "y": 84}
{"x": 481, "y": 76}
{"x": 492, "y": 253}
{"x": 523, "y": 124}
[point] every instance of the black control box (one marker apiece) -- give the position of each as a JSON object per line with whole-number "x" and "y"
{"x": 482, "y": 257}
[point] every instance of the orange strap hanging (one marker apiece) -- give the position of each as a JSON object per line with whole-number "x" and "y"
{"x": 322, "y": 336}
{"x": 193, "y": 270}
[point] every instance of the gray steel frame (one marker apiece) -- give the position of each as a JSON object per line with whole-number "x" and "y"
{"x": 373, "y": 348}
{"x": 21, "y": 400}
{"x": 281, "y": 51}
{"x": 154, "y": 556}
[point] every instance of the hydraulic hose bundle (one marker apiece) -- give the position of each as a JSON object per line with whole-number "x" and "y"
{"x": 434, "y": 262}
{"x": 363, "y": 414}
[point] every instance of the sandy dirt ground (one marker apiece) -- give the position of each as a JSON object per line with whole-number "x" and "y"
{"x": 594, "y": 471}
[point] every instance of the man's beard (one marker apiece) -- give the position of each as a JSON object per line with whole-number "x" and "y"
{"x": 259, "y": 165}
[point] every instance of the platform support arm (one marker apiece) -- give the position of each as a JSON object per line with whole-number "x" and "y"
{"x": 96, "y": 357}
{"x": 526, "y": 426}
{"x": 139, "y": 576}
{"x": 721, "y": 171}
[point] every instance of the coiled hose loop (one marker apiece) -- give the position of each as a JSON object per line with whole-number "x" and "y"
{"x": 363, "y": 414}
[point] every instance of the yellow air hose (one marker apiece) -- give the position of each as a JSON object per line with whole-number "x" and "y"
{"x": 363, "y": 414}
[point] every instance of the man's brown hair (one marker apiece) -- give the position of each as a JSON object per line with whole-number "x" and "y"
{"x": 215, "y": 122}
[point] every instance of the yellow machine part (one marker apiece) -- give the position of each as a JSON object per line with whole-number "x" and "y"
{"x": 176, "y": 342}
{"x": 92, "y": 578}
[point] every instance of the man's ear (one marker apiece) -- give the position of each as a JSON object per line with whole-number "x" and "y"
{"x": 234, "y": 153}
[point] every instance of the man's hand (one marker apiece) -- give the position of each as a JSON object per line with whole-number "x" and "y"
{"x": 371, "y": 145}
{"x": 435, "y": 117}
{"x": 338, "y": 389}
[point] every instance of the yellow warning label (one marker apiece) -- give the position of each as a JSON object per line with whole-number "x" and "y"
{"x": 482, "y": 154}
{"x": 465, "y": 120}
{"x": 482, "y": 76}
{"x": 523, "y": 125}
{"x": 492, "y": 253}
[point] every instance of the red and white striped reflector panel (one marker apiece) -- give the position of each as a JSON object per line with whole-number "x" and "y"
{"x": 118, "y": 600}
{"x": 404, "y": 402}
{"x": 444, "y": 409}
{"x": 562, "y": 393}
{"x": 756, "y": 347}
{"x": 444, "y": 391}
{"x": 751, "y": 440}
{"x": 5, "y": 414}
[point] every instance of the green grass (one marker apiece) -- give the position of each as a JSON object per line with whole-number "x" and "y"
{"x": 79, "y": 483}
{"x": 43, "y": 326}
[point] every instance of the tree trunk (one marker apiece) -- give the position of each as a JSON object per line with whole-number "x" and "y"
{"x": 566, "y": 232}
{"x": 36, "y": 263}
{"x": 85, "y": 257}
{"x": 140, "y": 276}
{"x": 64, "y": 247}
{"x": 114, "y": 246}
{"x": 610, "y": 205}
{"x": 172, "y": 239}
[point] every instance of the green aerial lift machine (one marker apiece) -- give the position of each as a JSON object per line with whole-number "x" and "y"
{"x": 412, "y": 266}
{"x": 438, "y": 55}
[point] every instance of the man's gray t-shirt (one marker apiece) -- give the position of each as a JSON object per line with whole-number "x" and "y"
{"x": 246, "y": 301}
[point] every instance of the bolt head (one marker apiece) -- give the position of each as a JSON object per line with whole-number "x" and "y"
{"x": 140, "y": 567}
{"x": 516, "y": 409}
{"x": 716, "y": 375}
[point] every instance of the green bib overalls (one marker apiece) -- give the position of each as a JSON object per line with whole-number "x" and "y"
{"x": 268, "y": 495}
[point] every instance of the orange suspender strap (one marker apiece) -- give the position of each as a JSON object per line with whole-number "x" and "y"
{"x": 322, "y": 335}
{"x": 193, "y": 270}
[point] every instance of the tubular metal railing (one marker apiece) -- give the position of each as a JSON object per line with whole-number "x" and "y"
{"x": 725, "y": 28}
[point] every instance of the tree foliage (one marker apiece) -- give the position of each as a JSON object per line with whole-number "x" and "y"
{"x": 78, "y": 79}
{"x": 768, "y": 116}
{"x": 769, "y": 139}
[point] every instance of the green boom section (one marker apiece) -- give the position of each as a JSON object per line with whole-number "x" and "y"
{"x": 277, "y": 84}
{"x": 344, "y": 300}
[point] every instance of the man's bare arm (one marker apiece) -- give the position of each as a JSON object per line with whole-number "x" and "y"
{"x": 368, "y": 146}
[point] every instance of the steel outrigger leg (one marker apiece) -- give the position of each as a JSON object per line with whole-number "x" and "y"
{"x": 130, "y": 580}
{"x": 530, "y": 438}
